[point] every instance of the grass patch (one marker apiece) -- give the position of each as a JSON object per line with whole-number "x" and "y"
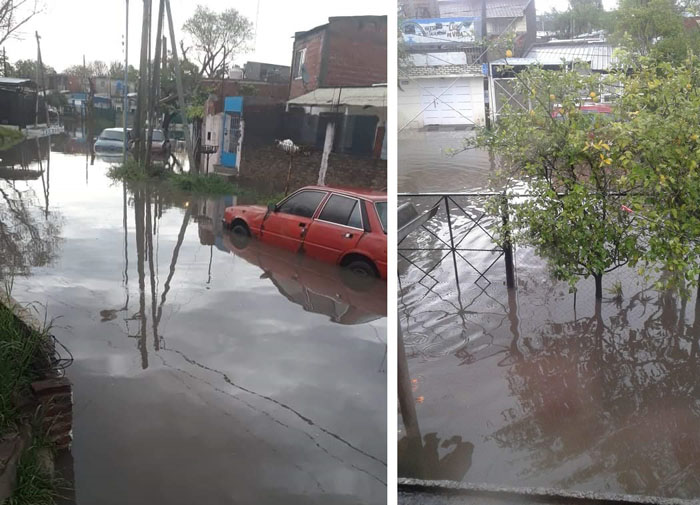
{"x": 9, "y": 137}
{"x": 212, "y": 184}
{"x": 18, "y": 353}
{"x": 35, "y": 484}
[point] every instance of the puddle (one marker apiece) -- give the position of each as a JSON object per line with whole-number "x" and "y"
{"x": 539, "y": 387}
{"x": 203, "y": 372}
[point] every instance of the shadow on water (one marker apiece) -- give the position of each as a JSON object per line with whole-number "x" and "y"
{"x": 230, "y": 350}
{"x": 553, "y": 389}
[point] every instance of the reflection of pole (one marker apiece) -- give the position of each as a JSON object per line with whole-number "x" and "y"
{"x": 140, "y": 246}
{"x": 514, "y": 322}
{"x": 151, "y": 270}
{"x": 507, "y": 244}
{"x": 405, "y": 392}
{"x": 211, "y": 257}
{"x": 173, "y": 262}
{"x": 126, "y": 248}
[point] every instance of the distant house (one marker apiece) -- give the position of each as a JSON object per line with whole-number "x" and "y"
{"x": 266, "y": 72}
{"x": 339, "y": 75}
{"x": 518, "y": 16}
{"x": 595, "y": 53}
{"x": 412, "y": 9}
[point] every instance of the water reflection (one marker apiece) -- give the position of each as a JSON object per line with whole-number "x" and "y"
{"x": 607, "y": 401}
{"x": 28, "y": 237}
{"x": 217, "y": 349}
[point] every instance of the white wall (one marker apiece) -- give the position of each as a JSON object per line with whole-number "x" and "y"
{"x": 412, "y": 100}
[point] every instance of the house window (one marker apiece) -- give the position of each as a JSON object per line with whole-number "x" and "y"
{"x": 299, "y": 59}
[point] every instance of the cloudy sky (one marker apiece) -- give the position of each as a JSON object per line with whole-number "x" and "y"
{"x": 67, "y": 34}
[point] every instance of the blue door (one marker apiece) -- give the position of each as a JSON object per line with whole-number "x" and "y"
{"x": 230, "y": 139}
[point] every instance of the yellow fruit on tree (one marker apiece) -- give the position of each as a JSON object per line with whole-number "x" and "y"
{"x": 592, "y": 95}
{"x": 552, "y": 97}
{"x": 509, "y": 53}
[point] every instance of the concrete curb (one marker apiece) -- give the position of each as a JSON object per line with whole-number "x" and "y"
{"x": 467, "y": 490}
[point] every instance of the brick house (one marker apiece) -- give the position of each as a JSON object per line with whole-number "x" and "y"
{"x": 346, "y": 51}
{"x": 347, "y": 59}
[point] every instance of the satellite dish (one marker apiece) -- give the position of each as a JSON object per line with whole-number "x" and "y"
{"x": 304, "y": 75}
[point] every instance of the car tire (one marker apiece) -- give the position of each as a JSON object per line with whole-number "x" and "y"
{"x": 359, "y": 275}
{"x": 240, "y": 235}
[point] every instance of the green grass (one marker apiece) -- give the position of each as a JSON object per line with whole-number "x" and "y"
{"x": 35, "y": 485}
{"x": 211, "y": 184}
{"x": 9, "y": 137}
{"x": 204, "y": 184}
{"x": 18, "y": 352}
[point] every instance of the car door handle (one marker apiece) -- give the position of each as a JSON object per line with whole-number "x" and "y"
{"x": 347, "y": 235}
{"x": 302, "y": 225}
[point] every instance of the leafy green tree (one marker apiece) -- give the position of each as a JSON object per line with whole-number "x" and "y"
{"x": 27, "y": 69}
{"x": 653, "y": 28}
{"x": 662, "y": 154}
{"x": 570, "y": 163}
{"x": 217, "y": 37}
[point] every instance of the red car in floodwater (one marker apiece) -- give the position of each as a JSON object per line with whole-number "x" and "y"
{"x": 346, "y": 227}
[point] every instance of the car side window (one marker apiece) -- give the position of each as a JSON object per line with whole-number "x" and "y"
{"x": 302, "y": 204}
{"x": 342, "y": 210}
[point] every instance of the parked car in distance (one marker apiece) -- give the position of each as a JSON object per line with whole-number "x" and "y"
{"x": 342, "y": 226}
{"x": 111, "y": 141}
{"x": 159, "y": 145}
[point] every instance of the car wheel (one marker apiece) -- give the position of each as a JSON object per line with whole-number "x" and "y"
{"x": 240, "y": 235}
{"x": 359, "y": 275}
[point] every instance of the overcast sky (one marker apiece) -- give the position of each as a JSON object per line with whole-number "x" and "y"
{"x": 66, "y": 33}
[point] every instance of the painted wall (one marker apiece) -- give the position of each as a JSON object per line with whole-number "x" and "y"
{"x": 411, "y": 101}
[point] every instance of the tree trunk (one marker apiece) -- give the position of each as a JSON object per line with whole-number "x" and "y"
{"x": 598, "y": 286}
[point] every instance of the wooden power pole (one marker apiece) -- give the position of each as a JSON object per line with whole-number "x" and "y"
{"x": 155, "y": 83}
{"x": 180, "y": 90}
{"x": 138, "y": 128}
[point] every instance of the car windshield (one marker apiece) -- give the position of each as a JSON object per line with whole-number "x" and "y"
{"x": 158, "y": 135}
{"x": 112, "y": 135}
{"x": 381, "y": 211}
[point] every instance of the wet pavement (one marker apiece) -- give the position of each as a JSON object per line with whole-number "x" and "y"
{"x": 540, "y": 387}
{"x": 203, "y": 373}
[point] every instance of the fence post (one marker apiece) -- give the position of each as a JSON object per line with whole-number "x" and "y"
{"x": 449, "y": 222}
{"x": 507, "y": 244}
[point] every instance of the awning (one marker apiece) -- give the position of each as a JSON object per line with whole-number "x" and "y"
{"x": 369, "y": 96}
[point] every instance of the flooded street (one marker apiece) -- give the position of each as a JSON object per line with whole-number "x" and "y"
{"x": 204, "y": 372}
{"x": 538, "y": 386}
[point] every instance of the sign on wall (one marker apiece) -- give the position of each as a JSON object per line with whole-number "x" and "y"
{"x": 436, "y": 30}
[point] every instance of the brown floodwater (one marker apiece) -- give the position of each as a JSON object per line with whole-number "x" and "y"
{"x": 204, "y": 372}
{"x": 538, "y": 386}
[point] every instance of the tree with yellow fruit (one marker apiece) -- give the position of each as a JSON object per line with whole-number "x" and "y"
{"x": 570, "y": 162}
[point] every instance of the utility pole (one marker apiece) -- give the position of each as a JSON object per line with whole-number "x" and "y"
{"x": 155, "y": 83}
{"x": 143, "y": 82}
{"x": 125, "y": 91}
{"x": 180, "y": 91}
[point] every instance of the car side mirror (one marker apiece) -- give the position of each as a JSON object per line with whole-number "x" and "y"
{"x": 272, "y": 207}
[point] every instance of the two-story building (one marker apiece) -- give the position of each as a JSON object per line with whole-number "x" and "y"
{"x": 338, "y": 86}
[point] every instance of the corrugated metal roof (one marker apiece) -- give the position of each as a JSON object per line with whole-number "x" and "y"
{"x": 597, "y": 53}
{"x": 14, "y": 81}
{"x": 494, "y": 8}
{"x": 374, "y": 96}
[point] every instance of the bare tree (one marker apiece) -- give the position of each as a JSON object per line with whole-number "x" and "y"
{"x": 14, "y": 14}
{"x": 217, "y": 37}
